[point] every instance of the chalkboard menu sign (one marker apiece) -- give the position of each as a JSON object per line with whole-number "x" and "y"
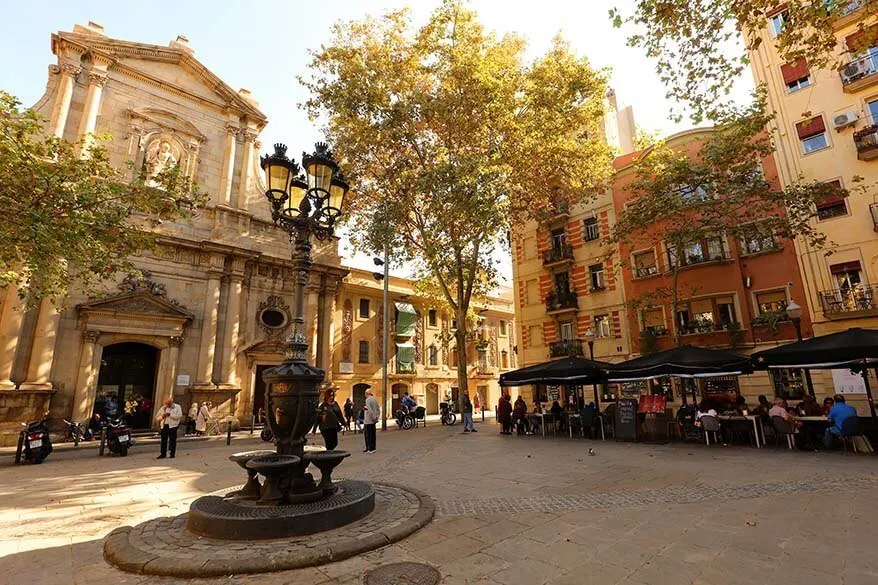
{"x": 626, "y": 420}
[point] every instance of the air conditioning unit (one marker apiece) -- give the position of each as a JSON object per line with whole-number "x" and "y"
{"x": 839, "y": 121}
{"x": 855, "y": 70}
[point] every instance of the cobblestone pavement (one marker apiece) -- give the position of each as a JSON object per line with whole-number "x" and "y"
{"x": 511, "y": 510}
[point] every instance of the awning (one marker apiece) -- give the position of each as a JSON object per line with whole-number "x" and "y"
{"x": 686, "y": 361}
{"x": 405, "y": 354}
{"x": 571, "y": 370}
{"x": 853, "y": 348}
{"x": 406, "y": 318}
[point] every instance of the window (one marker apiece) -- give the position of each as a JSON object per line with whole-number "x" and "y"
{"x": 566, "y": 330}
{"x": 559, "y": 239}
{"x": 833, "y": 205}
{"x": 504, "y": 359}
{"x": 777, "y": 22}
{"x": 452, "y": 357}
{"x": 812, "y": 134}
{"x": 562, "y": 282}
{"x": 707, "y": 250}
{"x": 433, "y": 355}
{"x": 602, "y": 326}
{"x": 431, "y": 317}
{"x": 363, "y": 353}
{"x": 591, "y": 229}
{"x": 756, "y": 240}
{"x": 771, "y": 301}
{"x": 796, "y": 75}
{"x": 847, "y": 275}
{"x": 788, "y": 383}
{"x": 706, "y": 315}
{"x": 644, "y": 264}
{"x": 364, "y": 308}
{"x": 654, "y": 320}
{"x": 531, "y": 292}
{"x": 691, "y": 194}
{"x": 483, "y": 359}
{"x": 535, "y": 335}
{"x": 454, "y": 323}
{"x": 273, "y": 319}
{"x": 596, "y": 276}
{"x": 502, "y": 328}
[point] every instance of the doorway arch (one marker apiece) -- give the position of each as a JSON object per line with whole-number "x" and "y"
{"x": 359, "y": 397}
{"x": 128, "y": 370}
{"x": 396, "y": 392}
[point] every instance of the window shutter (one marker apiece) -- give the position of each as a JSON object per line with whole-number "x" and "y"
{"x": 833, "y": 198}
{"x": 857, "y": 41}
{"x": 776, "y": 10}
{"x": 845, "y": 267}
{"x": 810, "y": 127}
{"x": 795, "y": 71}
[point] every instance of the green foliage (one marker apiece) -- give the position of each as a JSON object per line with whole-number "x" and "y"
{"x": 770, "y": 319}
{"x": 451, "y": 138}
{"x": 700, "y": 46}
{"x": 736, "y": 334}
{"x": 648, "y": 342}
{"x": 72, "y": 220}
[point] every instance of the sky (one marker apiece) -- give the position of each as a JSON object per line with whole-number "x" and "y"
{"x": 263, "y": 46}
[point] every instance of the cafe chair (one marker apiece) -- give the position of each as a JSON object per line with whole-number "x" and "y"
{"x": 710, "y": 424}
{"x": 420, "y": 417}
{"x": 850, "y": 433}
{"x": 783, "y": 428}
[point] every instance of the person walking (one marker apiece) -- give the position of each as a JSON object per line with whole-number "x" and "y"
{"x": 504, "y": 415}
{"x": 202, "y": 417}
{"x": 329, "y": 419}
{"x": 171, "y": 414}
{"x": 190, "y": 419}
{"x": 371, "y": 415}
{"x": 468, "y": 426}
{"x": 348, "y": 413}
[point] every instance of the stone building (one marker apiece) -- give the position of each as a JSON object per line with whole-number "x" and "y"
{"x": 213, "y": 304}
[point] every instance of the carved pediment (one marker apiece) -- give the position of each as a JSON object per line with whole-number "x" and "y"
{"x": 166, "y": 120}
{"x": 136, "y": 302}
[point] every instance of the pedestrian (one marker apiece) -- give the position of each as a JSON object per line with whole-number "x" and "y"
{"x": 111, "y": 407}
{"x": 468, "y": 426}
{"x": 504, "y": 415}
{"x": 348, "y": 413}
{"x": 329, "y": 418}
{"x": 171, "y": 414}
{"x": 371, "y": 414}
{"x": 190, "y": 418}
{"x": 202, "y": 417}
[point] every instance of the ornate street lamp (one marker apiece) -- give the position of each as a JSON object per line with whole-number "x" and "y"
{"x": 304, "y": 204}
{"x": 794, "y": 312}
{"x": 589, "y": 338}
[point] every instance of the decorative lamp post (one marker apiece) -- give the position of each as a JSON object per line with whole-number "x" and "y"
{"x": 589, "y": 338}
{"x": 304, "y": 205}
{"x": 794, "y": 312}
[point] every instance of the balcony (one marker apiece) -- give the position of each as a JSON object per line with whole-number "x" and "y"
{"x": 484, "y": 370}
{"x": 558, "y": 255}
{"x": 561, "y": 302}
{"x": 860, "y": 73}
{"x": 696, "y": 259}
{"x": 848, "y": 14}
{"x": 645, "y": 271}
{"x": 566, "y": 348}
{"x": 559, "y": 212}
{"x": 406, "y": 369}
{"x": 866, "y": 139}
{"x": 702, "y": 327}
{"x": 857, "y": 301}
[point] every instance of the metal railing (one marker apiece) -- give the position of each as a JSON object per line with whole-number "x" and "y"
{"x": 859, "y": 68}
{"x": 566, "y": 348}
{"x": 558, "y": 254}
{"x": 644, "y": 271}
{"x": 860, "y": 297}
{"x": 692, "y": 260}
{"x": 866, "y": 136}
{"x": 558, "y": 300}
{"x": 405, "y": 368}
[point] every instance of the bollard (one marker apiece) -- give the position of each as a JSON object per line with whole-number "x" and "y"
{"x": 20, "y": 447}
{"x": 229, "y": 434}
{"x": 252, "y": 423}
{"x": 103, "y": 441}
{"x": 483, "y": 414}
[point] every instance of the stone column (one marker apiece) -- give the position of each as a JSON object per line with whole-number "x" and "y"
{"x": 326, "y": 325}
{"x": 228, "y": 173}
{"x": 11, "y": 318}
{"x": 232, "y": 331}
{"x": 248, "y": 136}
{"x": 42, "y": 353}
{"x": 210, "y": 315}
{"x": 166, "y": 379}
{"x": 87, "y": 376}
{"x": 96, "y": 81}
{"x": 68, "y": 75}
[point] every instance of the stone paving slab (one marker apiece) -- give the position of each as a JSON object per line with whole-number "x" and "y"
{"x": 165, "y": 547}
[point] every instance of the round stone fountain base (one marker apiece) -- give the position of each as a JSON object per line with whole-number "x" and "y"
{"x": 218, "y": 516}
{"x": 164, "y": 546}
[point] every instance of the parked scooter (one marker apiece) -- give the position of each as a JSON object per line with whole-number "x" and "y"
{"x": 34, "y": 441}
{"x": 446, "y": 414}
{"x": 118, "y": 436}
{"x": 74, "y": 432}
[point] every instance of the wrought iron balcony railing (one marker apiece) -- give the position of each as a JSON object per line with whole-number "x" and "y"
{"x": 853, "y": 301}
{"x": 561, "y": 300}
{"x": 556, "y": 254}
{"x": 566, "y": 348}
{"x": 859, "y": 72}
{"x": 866, "y": 139}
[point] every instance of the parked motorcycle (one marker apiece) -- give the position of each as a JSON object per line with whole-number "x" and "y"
{"x": 118, "y": 436}
{"x": 446, "y": 414}
{"x": 405, "y": 419}
{"x": 35, "y": 442}
{"x": 74, "y": 432}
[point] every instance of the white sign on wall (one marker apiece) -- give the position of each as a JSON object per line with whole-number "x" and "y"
{"x": 847, "y": 382}
{"x": 346, "y": 367}
{"x": 183, "y": 380}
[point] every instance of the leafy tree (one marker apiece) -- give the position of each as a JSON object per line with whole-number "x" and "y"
{"x": 70, "y": 219}
{"x": 678, "y": 198}
{"x": 452, "y": 137}
{"x": 701, "y": 46}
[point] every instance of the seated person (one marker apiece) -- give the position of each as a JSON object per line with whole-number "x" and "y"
{"x": 780, "y": 409}
{"x": 740, "y": 405}
{"x": 538, "y": 408}
{"x": 763, "y": 407}
{"x": 809, "y": 407}
{"x": 408, "y": 403}
{"x": 94, "y": 427}
{"x": 828, "y": 403}
{"x": 557, "y": 414}
{"x": 705, "y": 409}
{"x": 839, "y": 413}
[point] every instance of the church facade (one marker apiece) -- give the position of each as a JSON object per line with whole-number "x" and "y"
{"x": 213, "y": 301}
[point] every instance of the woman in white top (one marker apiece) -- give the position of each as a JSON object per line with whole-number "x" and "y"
{"x": 190, "y": 419}
{"x": 202, "y": 418}
{"x": 705, "y": 409}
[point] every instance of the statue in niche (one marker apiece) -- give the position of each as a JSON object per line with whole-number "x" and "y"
{"x": 161, "y": 156}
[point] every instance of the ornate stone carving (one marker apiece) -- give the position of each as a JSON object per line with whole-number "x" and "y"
{"x": 444, "y": 342}
{"x": 232, "y": 129}
{"x": 161, "y": 155}
{"x": 276, "y": 303}
{"x": 135, "y": 283}
{"x": 70, "y": 69}
{"x": 90, "y": 336}
{"x": 492, "y": 347}
{"x": 97, "y": 78}
{"x": 347, "y": 327}
{"x": 419, "y": 338}
{"x": 175, "y": 341}
{"x": 248, "y": 135}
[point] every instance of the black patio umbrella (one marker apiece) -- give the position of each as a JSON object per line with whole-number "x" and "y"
{"x": 686, "y": 361}
{"x": 855, "y": 348}
{"x": 570, "y": 370}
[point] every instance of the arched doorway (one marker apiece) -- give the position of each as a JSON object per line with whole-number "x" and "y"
{"x": 359, "y": 397}
{"x": 432, "y": 405}
{"x": 396, "y": 392}
{"x": 128, "y": 370}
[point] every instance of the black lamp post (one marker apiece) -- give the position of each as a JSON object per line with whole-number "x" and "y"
{"x": 304, "y": 205}
{"x": 794, "y": 312}
{"x": 589, "y": 337}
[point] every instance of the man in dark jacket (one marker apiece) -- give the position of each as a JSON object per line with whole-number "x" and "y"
{"x": 468, "y": 426}
{"x": 504, "y": 415}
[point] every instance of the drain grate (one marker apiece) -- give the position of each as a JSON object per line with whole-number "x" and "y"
{"x": 403, "y": 574}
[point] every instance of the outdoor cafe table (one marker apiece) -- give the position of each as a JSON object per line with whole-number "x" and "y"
{"x": 582, "y": 430}
{"x": 754, "y": 419}
{"x": 531, "y": 416}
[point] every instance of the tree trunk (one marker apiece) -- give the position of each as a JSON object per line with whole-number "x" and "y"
{"x": 460, "y": 338}
{"x": 675, "y": 300}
